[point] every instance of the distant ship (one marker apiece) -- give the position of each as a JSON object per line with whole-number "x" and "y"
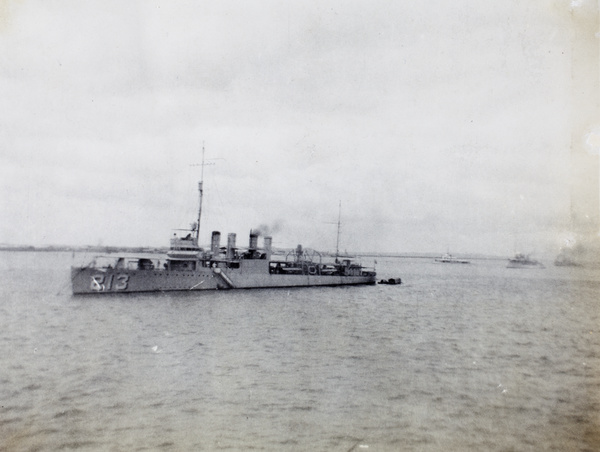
{"x": 187, "y": 266}
{"x": 450, "y": 259}
{"x": 522, "y": 261}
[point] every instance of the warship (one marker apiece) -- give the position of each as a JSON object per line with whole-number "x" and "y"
{"x": 186, "y": 266}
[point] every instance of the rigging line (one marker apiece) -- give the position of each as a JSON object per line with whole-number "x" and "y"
{"x": 216, "y": 203}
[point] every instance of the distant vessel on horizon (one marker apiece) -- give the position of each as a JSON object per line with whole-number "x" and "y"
{"x": 523, "y": 261}
{"x": 450, "y": 259}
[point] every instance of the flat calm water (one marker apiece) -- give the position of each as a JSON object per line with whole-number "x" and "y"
{"x": 459, "y": 357}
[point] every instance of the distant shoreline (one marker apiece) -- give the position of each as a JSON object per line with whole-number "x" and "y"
{"x": 84, "y": 249}
{"x": 120, "y": 249}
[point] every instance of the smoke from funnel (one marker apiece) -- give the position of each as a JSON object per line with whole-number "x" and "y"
{"x": 266, "y": 230}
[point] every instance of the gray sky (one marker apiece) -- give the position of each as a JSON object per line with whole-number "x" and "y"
{"x": 440, "y": 125}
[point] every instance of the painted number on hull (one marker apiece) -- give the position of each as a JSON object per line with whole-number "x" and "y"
{"x": 100, "y": 283}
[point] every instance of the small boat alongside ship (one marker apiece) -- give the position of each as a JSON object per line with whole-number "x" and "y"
{"x": 187, "y": 266}
{"x": 523, "y": 261}
{"x": 450, "y": 259}
{"x": 391, "y": 281}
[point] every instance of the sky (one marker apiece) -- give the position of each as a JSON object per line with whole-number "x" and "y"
{"x": 438, "y": 126}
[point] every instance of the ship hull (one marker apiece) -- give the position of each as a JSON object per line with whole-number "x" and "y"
{"x": 87, "y": 280}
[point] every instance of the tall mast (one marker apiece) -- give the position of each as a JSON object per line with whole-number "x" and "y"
{"x": 339, "y": 223}
{"x": 201, "y": 192}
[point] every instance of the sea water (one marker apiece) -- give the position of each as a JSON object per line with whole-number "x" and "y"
{"x": 458, "y": 357}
